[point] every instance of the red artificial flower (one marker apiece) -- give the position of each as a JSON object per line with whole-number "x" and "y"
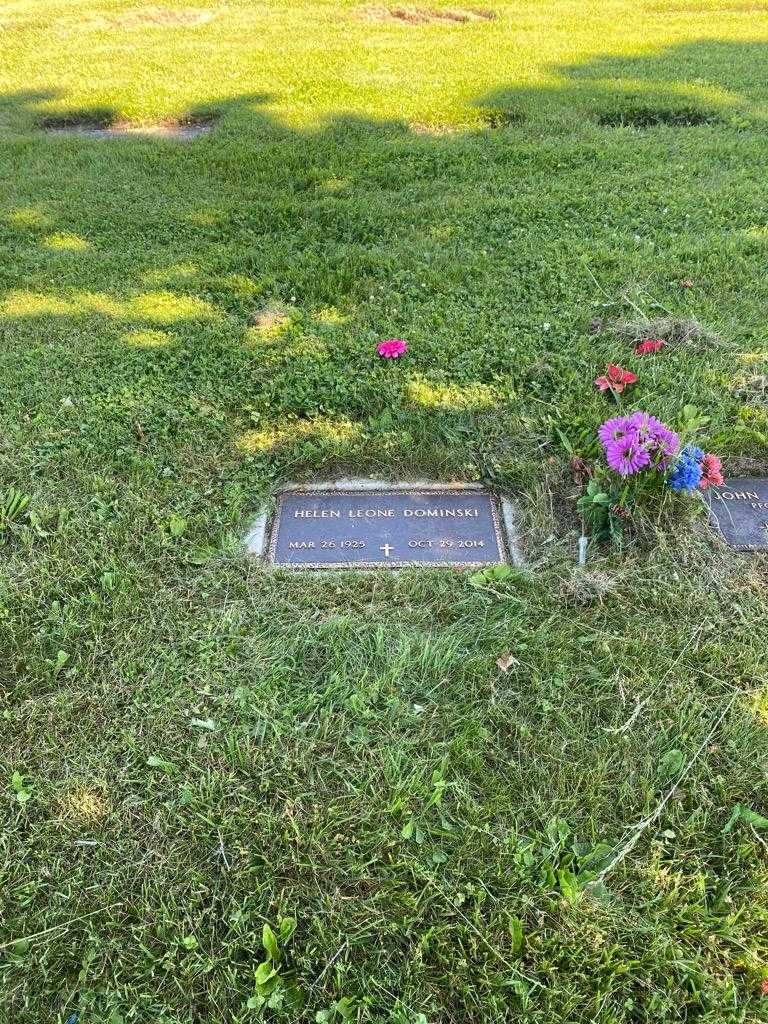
{"x": 616, "y": 379}
{"x": 764, "y": 986}
{"x": 711, "y": 471}
{"x": 649, "y": 345}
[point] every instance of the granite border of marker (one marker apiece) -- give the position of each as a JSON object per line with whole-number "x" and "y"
{"x": 258, "y": 536}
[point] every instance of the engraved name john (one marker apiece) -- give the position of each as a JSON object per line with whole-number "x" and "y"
{"x": 739, "y": 510}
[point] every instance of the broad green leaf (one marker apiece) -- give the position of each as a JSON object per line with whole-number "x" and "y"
{"x": 203, "y": 723}
{"x": 671, "y": 763}
{"x": 569, "y": 885}
{"x": 269, "y": 941}
{"x": 740, "y": 812}
{"x": 177, "y": 525}
{"x": 345, "y": 1007}
{"x": 264, "y": 973}
{"x": 753, "y": 818}
{"x": 516, "y": 929}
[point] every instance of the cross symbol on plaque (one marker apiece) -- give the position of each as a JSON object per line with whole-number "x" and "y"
{"x": 386, "y": 548}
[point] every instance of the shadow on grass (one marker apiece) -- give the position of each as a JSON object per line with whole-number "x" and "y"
{"x": 712, "y": 82}
{"x": 142, "y": 263}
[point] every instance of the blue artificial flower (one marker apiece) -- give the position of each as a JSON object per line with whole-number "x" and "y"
{"x": 687, "y": 472}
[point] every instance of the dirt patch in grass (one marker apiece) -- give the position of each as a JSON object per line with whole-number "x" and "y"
{"x": 653, "y": 117}
{"x": 427, "y": 16}
{"x": 270, "y": 320}
{"x": 95, "y": 126}
{"x": 154, "y": 17}
{"x": 754, "y": 390}
{"x": 743, "y": 465}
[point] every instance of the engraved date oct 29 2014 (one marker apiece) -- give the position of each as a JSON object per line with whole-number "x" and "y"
{"x": 326, "y": 545}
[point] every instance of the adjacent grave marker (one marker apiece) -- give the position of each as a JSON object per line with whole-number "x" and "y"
{"x": 739, "y": 510}
{"x": 386, "y": 527}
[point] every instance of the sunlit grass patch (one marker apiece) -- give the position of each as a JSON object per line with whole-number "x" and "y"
{"x": 159, "y": 306}
{"x": 29, "y": 217}
{"x": 240, "y": 285}
{"x": 279, "y": 435}
{"x": 22, "y": 303}
{"x": 65, "y": 241}
{"x": 331, "y": 315}
{"x": 207, "y": 218}
{"x": 420, "y": 767}
{"x": 168, "y": 307}
{"x": 451, "y": 396}
{"x": 335, "y": 184}
{"x": 169, "y": 275}
{"x": 148, "y": 338}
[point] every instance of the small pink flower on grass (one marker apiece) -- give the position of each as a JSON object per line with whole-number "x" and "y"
{"x": 615, "y": 379}
{"x": 392, "y": 348}
{"x": 649, "y": 345}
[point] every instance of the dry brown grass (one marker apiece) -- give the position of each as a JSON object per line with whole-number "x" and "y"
{"x": 673, "y": 330}
{"x": 586, "y": 587}
{"x": 426, "y": 16}
{"x": 154, "y": 17}
{"x": 753, "y": 390}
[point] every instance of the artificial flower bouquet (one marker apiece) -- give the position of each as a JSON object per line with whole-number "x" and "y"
{"x": 643, "y": 457}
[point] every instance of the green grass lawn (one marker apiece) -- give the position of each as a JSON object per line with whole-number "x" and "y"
{"x": 194, "y": 747}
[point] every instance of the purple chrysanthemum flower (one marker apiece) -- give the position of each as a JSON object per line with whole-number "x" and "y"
{"x": 667, "y": 442}
{"x": 614, "y": 429}
{"x": 641, "y": 422}
{"x": 627, "y": 455}
{"x": 655, "y": 436}
{"x": 637, "y": 441}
